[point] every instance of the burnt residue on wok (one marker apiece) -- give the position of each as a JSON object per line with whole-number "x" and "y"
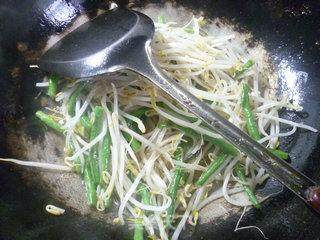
{"x": 278, "y": 25}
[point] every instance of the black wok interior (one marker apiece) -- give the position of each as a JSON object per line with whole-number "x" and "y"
{"x": 290, "y": 31}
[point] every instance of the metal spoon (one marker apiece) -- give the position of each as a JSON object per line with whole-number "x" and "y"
{"x": 120, "y": 39}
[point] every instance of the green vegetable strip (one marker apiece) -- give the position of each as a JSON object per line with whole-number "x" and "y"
{"x": 94, "y": 151}
{"x": 73, "y": 99}
{"x": 138, "y": 230}
{"x": 105, "y": 154}
{"x": 145, "y": 197}
{"x": 49, "y": 121}
{"x": 212, "y": 168}
{"x": 224, "y": 146}
{"x": 174, "y": 185}
{"x": 134, "y": 143}
{"x": 172, "y": 112}
{"x": 90, "y": 186}
{"x": 189, "y": 30}
{"x": 53, "y": 86}
{"x": 144, "y": 193}
{"x": 246, "y": 108}
{"x": 161, "y": 19}
{"x": 280, "y": 154}
{"x": 77, "y": 166}
{"x": 85, "y": 122}
{"x": 245, "y": 67}
{"x": 240, "y": 173}
{"x": 252, "y": 127}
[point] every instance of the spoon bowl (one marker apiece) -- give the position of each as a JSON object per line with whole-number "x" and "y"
{"x": 82, "y": 54}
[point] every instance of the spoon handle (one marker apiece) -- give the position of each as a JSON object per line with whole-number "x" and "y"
{"x": 297, "y": 182}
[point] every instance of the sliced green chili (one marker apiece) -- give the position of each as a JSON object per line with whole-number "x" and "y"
{"x": 90, "y": 186}
{"x": 240, "y": 173}
{"x": 53, "y": 85}
{"x": 189, "y": 30}
{"x": 73, "y": 99}
{"x": 280, "y": 154}
{"x": 85, "y": 122}
{"x": 174, "y": 185}
{"x": 144, "y": 193}
{"x": 94, "y": 151}
{"x": 77, "y": 166}
{"x": 172, "y": 112}
{"x": 223, "y": 145}
{"x": 211, "y": 169}
{"x": 138, "y": 230}
{"x": 49, "y": 121}
{"x": 161, "y": 19}
{"x": 245, "y": 67}
{"x": 105, "y": 154}
{"x": 251, "y": 125}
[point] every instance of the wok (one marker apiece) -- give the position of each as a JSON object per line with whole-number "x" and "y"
{"x": 290, "y": 33}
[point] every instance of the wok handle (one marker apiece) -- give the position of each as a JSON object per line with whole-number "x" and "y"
{"x": 301, "y": 185}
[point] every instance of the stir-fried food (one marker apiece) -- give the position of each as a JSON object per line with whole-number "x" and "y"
{"x": 136, "y": 148}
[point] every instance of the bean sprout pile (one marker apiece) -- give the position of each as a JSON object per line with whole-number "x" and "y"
{"x": 137, "y": 149}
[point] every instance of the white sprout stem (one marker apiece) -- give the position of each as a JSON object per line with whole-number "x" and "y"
{"x": 299, "y": 125}
{"x": 163, "y": 234}
{"x": 138, "y": 121}
{"x": 130, "y": 192}
{"x": 187, "y": 124}
{"x": 91, "y": 144}
{"x": 189, "y": 166}
{"x": 216, "y": 195}
{"x": 184, "y": 218}
{"x": 42, "y": 84}
{"x": 167, "y": 202}
{"x": 47, "y": 166}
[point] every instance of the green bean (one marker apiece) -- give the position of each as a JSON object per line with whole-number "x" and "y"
{"x": 172, "y": 112}
{"x": 240, "y": 173}
{"x": 85, "y": 122}
{"x": 251, "y": 125}
{"x": 77, "y": 166}
{"x": 90, "y": 186}
{"x": 189, "y": 30}
{"x": 73, "y": 99}
{"x": 134, "y": 143}
{"x": 105, "y": 154}
{"x": 246, "y": 108}
{"x": 138, "y": 230}
{"x": 49, "y": 121}
{"x": 245, "y": 67}
{"x": 226, "y": 147}
{"x": 174, "y": 185}
{"x": 211, "y": 169}
{"x": 223, "y": 145}
{"x": 94, "y": 151}
{"x": 280, "y": 154}
{"x": 145, "y": 197}
{"x": 144, "y": 193}
{"x": 162, "y": 124}
{"x": 53, "y": 86}
{"x": 161, "y": 19}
